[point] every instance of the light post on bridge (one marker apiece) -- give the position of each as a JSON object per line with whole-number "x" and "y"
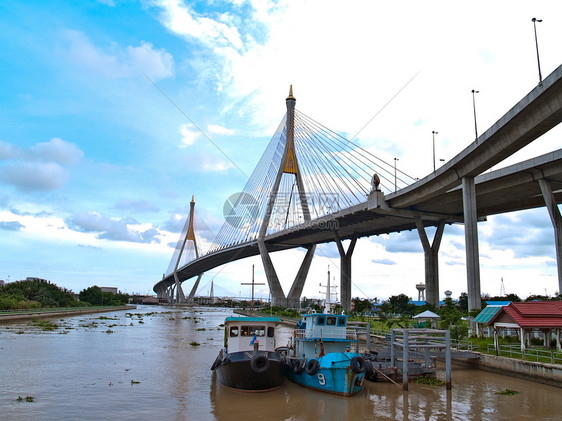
{"x": 395, "y": 179}
{"x": 535, "y": 20}
{"x": 434, "y": 133}
{"x": 474, "y": 108}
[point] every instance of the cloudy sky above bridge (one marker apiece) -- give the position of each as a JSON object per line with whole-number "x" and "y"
{"x": 102, "y": 102}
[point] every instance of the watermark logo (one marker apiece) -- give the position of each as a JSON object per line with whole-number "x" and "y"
{"x": 240, "y": 209}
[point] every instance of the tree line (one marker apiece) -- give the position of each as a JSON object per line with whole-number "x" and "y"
{"x": 36, "y": 293}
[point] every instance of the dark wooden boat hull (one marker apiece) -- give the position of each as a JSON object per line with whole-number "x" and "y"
{"x": 237, "y": 371}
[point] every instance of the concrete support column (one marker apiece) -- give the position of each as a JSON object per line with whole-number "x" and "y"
{"x": 277, "y": 294}
{"x": 294, "y": 296}
{"x": 180, "y": 294}
{"x": 556, "y": 219}
{"x": 431, "y": 253}
{"x": 345, "y": 271}
{"x": 172, "y": 294}
{"x": 189, "y": 299}
{"x": 471, "y": 243}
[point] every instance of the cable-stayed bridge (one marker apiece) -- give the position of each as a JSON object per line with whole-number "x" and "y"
{"x": 313, "y": 186}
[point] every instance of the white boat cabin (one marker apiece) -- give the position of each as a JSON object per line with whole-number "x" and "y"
{"x": 250, "y": 333}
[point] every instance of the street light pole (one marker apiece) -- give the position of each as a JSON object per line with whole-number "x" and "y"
{"x": 474, "y": 108}
{"x": 395, "y": 183}
{"x": 434, "y": 133}
{"x": 535, "y": 20}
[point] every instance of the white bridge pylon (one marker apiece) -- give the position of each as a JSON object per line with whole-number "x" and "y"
{"x": 188, "y": 241}
{"x": 289, "y": 165}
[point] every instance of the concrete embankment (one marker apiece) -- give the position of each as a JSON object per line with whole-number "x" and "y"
{"x": 16, "y": 317}
{"x": 550, "y": 374}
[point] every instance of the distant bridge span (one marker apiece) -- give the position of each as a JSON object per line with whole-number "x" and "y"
{"x": 456, "y": 192}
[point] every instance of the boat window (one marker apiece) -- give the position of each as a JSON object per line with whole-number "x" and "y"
{"x": 320, "y": 320}
{"x": 270, "y": 332}
{"x": 234, "y": 331}
{"x": 331, "y": 321}
{"x": 253, "y": 330}
{"x": 341, "y": 321}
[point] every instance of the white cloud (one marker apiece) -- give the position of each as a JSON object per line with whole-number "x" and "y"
{"x": 58, "y": 151}
{"x": 216, "y": 165}
{"x": 11, "y": 225}
{"x": 213, "y": 128}
{"x": 180, "y": 19}
{"x": 189, "y": 134}
{"x": 158, "y": 64}
{"x": 116, "y": 62}
{"x": 111, "y": 229}
{"x": 8, "y": 151}
{"x": 29, "y": 177}
{"x": 40, "y": 167}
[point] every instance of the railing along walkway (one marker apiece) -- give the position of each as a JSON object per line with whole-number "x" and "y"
{"x": 531, "y": 354}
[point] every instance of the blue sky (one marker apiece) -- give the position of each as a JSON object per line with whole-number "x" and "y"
{"x": 100, "y": 153}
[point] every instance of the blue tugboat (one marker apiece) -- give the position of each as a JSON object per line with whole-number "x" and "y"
{"x": 319, "y": 354}
{"x": 248, "y": 362}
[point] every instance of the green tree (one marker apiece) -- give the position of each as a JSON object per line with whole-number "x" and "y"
{"x": 95, "y": 296}
{"x": 400, "y": 304}
{"x": 34, "y": 293}
{"x": 361, "y": 305}
{"x": 92, "y": 295}
{"x": 451, "y": 318}
{"x": 463, "y": 302}
{"x": 508, "y": 297}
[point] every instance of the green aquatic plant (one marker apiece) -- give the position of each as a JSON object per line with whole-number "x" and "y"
{"x": 27, "y": 399}
{"x": 432, "y": 381}
{"x": 507, "y": 392}
{"x": 194, "y": 343}
{"x": 45, "y": 325}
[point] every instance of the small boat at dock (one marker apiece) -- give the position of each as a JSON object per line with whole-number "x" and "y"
{"x": 319, "y": 355}
{"x": 248, "y": 361}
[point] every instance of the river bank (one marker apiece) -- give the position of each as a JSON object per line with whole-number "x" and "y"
{"x": 58, "y": 312}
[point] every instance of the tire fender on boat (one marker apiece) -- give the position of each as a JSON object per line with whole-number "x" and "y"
{"x": 312, "y": 367}
{"x": 299, "y": 366}
{"x": 369, "y": 369}
{"x": 259, "y": 363}
{"x": 358, "y": 364}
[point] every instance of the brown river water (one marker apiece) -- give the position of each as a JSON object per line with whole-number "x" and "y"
{"x": 145, "y": 364}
